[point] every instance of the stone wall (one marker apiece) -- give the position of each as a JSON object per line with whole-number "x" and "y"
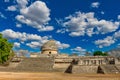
{"x": 40, "y": 64}
{"x": 84, "y": 69}
{"x": 65, "y": 62}
{"x": 83, "y": 64}
{"x": 36, "y": 64}
{"x": 96, "y": 60}
{"x": 71, "y": 64}
{"x": 62, "y": 63}
{"x": 118, "y": 67}
{"x": 117, "y": 61}
{"x": 49, "y": 52}
{"x": 109, "y": 69}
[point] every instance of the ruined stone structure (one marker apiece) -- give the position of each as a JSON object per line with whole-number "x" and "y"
{"x": 50, "y": 60}
{"x": 49, "y": 47}
{"x": 68, "y": 64}
{"x": 87, "y": 64}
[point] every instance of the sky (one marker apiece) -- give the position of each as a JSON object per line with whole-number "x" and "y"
{"x": 78, "y": 26}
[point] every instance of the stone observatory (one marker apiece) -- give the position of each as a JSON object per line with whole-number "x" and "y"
{"x": 49, "y": 47}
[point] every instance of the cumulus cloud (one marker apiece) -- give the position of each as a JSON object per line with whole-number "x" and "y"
{"x": 61, "y": 31}
{"x": 109, "y": 40}
{"x": 35, "y": 41}
{"x": 105, "y": 42}
{"x": 62, "y": 45}
{"x": 22, "y": 53}
{"x": 95, "y": 4}
{"x": 12, "y": 8}
{"x": 6, "y": 0}
{"x": 102, "y": 12}
{"x": 10, "y": 34}
{"x": 118, "y": 17}
{"x": 16, "y": 45}
{"x": 117, "y": 35}
{"x": 80, "y": 24}
{"x": 79, "y": 50}
{"x": 36, "y": 15}
{"x": 2, "y": 15}
{"x": 34, "y": 44}
{"x": 18, "y": 25}
{"x": 38, "y": 44}
{"x": 22, "y": 3}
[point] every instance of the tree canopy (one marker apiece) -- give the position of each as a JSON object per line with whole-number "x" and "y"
{"x": 5, "y": 50}
{"x": 100, "y": 53}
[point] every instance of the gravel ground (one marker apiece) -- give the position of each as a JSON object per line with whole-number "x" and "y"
{"x": 56, "y": 76}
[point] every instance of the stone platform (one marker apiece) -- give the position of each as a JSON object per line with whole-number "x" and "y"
{"x": 43, "y": 64}
{"x": 69, "y": 64}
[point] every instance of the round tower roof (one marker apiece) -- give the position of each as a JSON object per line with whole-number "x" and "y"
{"x": 50, "y": 45}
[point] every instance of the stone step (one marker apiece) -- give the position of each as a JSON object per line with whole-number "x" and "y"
{"x": 109, "y": 69}
{"x": 43, "y": 64}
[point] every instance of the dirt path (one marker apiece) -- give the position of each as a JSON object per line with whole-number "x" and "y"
{"x": 56, "y": 76}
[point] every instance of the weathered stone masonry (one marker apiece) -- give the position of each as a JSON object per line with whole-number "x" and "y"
{"x": 71, "y": 64}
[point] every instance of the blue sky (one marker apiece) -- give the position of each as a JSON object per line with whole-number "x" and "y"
{"x": 76, "y": 25}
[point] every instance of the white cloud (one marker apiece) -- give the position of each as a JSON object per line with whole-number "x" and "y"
{"x": 95, "y": 4}
{"x": 38, "y": 44}
{"x": 105, "y": 42}
{"x": 2, "y": 15}
{"x": 11, "y": 8}
{"x": 10, "y": 34}
{"x": 117, "y": 35}
{"x": 22, "y": 53}
{"x": 18, "y": 25}
{"x": 62, "y": 45}
{"x": 61, "y": 31}
{"x": 102, "y": 12}
{"x": 74, "y": 34}
{"x": 118, "y": 17}
{"x": 107, "y": 26}
{"x": 6, "y": 0}
{"x": 36, "y": 41}
{"x": 79, "y": 50}
{"x": 34, "y": 44}
{"x": 22, "y": 3}
{"x": 16, "y": 45}
{"x": 36, "y": 15}
{"x": 109, "y": 40}
{"x": 80, "y": 24}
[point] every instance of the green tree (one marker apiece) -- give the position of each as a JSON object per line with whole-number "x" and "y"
{"x": 99, "y": 53}
{"x": 5, "y": 50}
{"x": 105, "y": 54}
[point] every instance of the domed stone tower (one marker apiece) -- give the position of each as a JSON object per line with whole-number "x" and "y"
{"x": 49, "y": 47}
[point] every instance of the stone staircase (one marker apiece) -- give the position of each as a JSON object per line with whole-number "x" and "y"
{"x": 118, "y": 67}
{"x": 84, "y": 69}
{"x": 40, "y": 64}
{"x": 36, "y": 64}
{"x": 109, "y": 69}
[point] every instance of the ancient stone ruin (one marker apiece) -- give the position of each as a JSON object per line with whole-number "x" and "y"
{"x": 49, "y": 47}
{"x": 51, "y": 61}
